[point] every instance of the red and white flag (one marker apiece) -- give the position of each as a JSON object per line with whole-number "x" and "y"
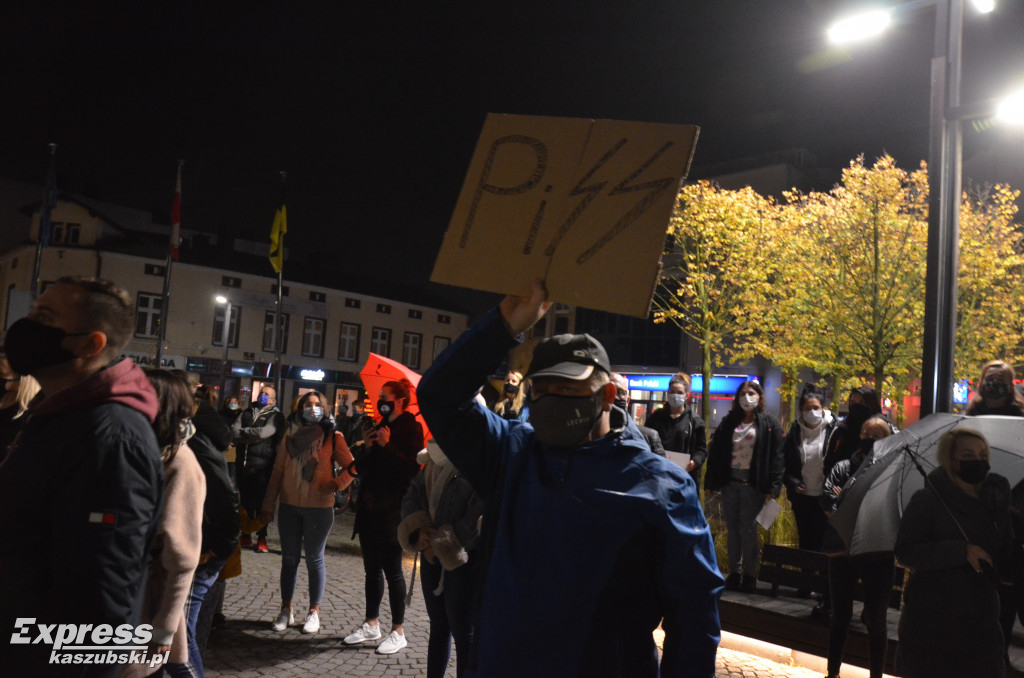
{"x": 176, "y": 217}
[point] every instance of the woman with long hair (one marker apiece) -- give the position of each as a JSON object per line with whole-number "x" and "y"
{"x": 956, "y": 539}
{"x": 996, "y": 393}
{"x": 385, "y": 470}
{"x": 745, "y": 464}
{"x": 804, "y": 451}
{"x": 17, "y": 394}
{"x": 513, "y": 396}
{"x": 304, "y": 481}
{"x": 178, "y": 542}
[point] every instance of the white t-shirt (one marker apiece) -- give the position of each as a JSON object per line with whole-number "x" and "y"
{"x": 743, "y": 446}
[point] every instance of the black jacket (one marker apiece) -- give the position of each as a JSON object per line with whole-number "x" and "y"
{"x": 385, "y": 473}
{"x": 766, "y": 465}
{"x": 685, "y": 433}
{"x": 220, "y": 508}
{"x": 257, "y": 434}
{"x": 950, "y": 621}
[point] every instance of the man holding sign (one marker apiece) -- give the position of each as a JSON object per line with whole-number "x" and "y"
{"x": 590, "y": 540}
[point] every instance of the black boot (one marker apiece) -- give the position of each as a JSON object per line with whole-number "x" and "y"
{"x": 748, "y": 585}
{"x": 732, "y": 582}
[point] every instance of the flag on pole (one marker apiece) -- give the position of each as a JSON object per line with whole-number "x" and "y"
{"x": 277, "y": 239}
{"x": 176, "y": 217}
{"x": 49, "y": 200}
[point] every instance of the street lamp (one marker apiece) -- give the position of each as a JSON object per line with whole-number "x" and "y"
{"x": 225, "y": 333}
{"x": 944, "y": 187}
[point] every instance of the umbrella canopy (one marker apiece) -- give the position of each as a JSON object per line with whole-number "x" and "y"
{"x": 379, "y": 370}
{"x": 871, "y": 506}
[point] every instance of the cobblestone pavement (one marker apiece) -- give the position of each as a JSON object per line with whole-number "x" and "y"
{"x": 247, "y": 647}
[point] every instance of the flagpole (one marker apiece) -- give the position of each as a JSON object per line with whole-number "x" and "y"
{"x": 49, "y": 201}
{"x": 277, "y": 315}
{"x": 171, "y": 251}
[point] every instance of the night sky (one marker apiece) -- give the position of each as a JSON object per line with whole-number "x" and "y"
{"x": 373, "y": 108}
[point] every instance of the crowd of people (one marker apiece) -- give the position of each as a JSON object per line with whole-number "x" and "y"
{"x": 507, "y": 506}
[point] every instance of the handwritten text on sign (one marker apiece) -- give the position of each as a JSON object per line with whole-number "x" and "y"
{"x": 582, "y": 204}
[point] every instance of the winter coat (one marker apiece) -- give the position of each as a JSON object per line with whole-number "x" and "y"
{"x": 220, "y": 510}
{"x": 458, "y": 513}
{"x": 605, "y": 538}
{"x": 80, "y": 495}
{"x": 385, "y": 473}
{"x": 175, "y": 556}
{"x": 792, "y": 453}
{"x": 257, "y": 434}
{"x": 653, "y": 440}
{"x": 287, "y": 483}
{"x": 766, "y": 465}
{"x": 950, "y": 620}
{"x": 686, "y": 433}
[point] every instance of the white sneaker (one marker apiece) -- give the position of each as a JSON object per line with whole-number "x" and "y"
{"x": 363, "y": 633}
{"x": 393, "y": 643}
{"x": 312, "y": 623}
{"x": 283, "y": 621}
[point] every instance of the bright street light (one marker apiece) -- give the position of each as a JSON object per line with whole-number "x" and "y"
{"x": 1010, "y": 109}
{"x": 984, "y": 6}
{"x": 859, "y": 27}
{"x": 220, "y": 299}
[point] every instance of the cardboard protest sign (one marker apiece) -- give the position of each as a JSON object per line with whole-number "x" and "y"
{"x": 582, "y": 204}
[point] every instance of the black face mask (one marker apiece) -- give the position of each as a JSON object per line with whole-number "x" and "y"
{"x": 564, "y": 421}
{"x": 385, "y": 407}
{"x": 31, "y": 346}
{"x": 973, "y": 471}
{"x": 511, "y": 389}
{"x": 621, "y": 403}
{"x": 994, "y": 390}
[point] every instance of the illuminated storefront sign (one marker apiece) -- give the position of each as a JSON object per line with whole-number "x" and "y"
{"x": 721, "y": 384}
{"x": 312, "y": 375}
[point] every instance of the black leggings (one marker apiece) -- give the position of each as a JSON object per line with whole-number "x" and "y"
{"x": 875, "y": 571}
{"x": 382, "y": 557}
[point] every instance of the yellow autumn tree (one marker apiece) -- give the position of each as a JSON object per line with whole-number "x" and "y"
{"x": 990, "y": 306}
{"x": 717, "y": 268}
{"x": 864, "y": 245}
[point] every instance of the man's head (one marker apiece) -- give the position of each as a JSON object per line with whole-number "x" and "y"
{"x": 267, "y": 397}
{"x": 76, "y": 326}
{"x": 570, "y": 390}
{"x": 621, "y": 390}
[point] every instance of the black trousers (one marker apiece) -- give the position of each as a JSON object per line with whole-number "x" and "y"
{"x": 382, "y": 558}
{"x": 875, "y": 571}
{"x": 252, "y": 486}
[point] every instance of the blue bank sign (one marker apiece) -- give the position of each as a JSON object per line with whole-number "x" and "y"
{"x": 721, "y": 384}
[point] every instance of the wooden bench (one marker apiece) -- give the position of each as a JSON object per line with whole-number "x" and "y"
{"x": 807, "y": 572}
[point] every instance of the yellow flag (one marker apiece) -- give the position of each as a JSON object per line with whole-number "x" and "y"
{"x": 277, "y": 239}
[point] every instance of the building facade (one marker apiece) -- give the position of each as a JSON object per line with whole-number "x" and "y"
{"x": 326, "y": 334}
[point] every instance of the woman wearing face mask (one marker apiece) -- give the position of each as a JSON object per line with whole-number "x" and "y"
{"x": 17, "y": 394}
{"x": 385, "y": 471}
{"x": 303, "y": 480}
{"x": 440, "y": 513}
{"x": 874, "y": 570}
{"x": 996, "y": 394}
{"x": 844, "y": 440}
{"x": 176, "y": 548}
{"x": 680, "y": 428}
{"x": 746, "y": 465}
{"x": 804, "y": 451}
{"x": 511, "y": 404}
{"x": 955, "y": 538}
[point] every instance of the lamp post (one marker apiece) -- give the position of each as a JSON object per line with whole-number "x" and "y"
{"x": 944, "y": 187}
{"x": 224, "y": 336}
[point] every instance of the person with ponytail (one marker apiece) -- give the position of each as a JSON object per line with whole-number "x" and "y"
{"x": 304, "y": 482}
{"x": 385, "y": 469}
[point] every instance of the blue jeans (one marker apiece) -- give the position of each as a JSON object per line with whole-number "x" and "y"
{"x": 450, "y": 615}
{"x": 296, "y": 526}
{"x": 205, "y": 577}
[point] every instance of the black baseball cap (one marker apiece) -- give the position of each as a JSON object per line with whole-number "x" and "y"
{"x": 570, "y": 356}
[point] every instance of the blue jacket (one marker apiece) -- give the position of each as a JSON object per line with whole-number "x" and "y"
{"x": 589, "y": 548}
